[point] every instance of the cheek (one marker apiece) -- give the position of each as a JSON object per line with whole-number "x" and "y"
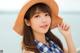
{"x": 49, "y": 20}
{"x": 34, "y": 23}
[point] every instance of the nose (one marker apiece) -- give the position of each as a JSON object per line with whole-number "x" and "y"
{"x": 43, "y": 19}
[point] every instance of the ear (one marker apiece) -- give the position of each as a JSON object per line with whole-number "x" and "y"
{"x": 27, "y": 22}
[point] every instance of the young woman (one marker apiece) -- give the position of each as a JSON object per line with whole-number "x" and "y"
{"x": 38, "y": 20}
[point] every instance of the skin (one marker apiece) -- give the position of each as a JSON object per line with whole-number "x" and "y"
{"x": 40, "y": 23}
{"x": 65, "y": 31}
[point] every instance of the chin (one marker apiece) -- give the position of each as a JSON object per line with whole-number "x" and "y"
{"x": 44, "y": 31}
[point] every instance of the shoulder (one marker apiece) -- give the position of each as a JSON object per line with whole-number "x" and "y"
{"x": 27, "y": 51}
{"x": 65, "y": 50}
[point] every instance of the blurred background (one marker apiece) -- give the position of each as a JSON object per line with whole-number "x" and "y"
{"x": 10, "y": 41}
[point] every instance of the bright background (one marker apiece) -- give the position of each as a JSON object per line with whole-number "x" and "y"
{"x": 65, "y": 5}
{"x": 9, "y": 9}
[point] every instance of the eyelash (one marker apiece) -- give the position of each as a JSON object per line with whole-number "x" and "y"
{"x": 37, "y": 16}
{"x": 45, "y": 15}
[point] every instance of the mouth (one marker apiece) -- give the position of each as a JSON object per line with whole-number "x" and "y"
{"x": 44, "y": 26}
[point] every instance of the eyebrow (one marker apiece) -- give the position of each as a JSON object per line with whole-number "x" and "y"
{"x": 38, "y": 12}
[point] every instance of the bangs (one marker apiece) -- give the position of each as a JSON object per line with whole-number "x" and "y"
{"x": 39, "y": 7}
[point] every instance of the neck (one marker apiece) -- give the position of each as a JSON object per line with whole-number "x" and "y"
{"x": 40, "y": 37}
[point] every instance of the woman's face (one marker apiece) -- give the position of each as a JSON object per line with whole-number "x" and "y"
{"x": 40, "y": 22}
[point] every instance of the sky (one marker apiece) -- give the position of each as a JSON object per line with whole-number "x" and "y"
{"x": 15, "y": 5}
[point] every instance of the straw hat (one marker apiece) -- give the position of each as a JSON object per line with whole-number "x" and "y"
{"x": 18, "y": 27}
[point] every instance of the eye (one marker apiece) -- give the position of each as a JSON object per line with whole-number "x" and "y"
{"x": 36, "y": 16}
{"x": 46, "y": 14}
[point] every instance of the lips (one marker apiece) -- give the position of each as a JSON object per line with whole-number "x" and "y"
{"x": 44, "y": 26}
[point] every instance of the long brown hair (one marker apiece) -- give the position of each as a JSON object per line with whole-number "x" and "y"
{"x": 28, "y": 38}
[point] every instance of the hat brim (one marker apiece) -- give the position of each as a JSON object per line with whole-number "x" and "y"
{"x": 18, "y": 27}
